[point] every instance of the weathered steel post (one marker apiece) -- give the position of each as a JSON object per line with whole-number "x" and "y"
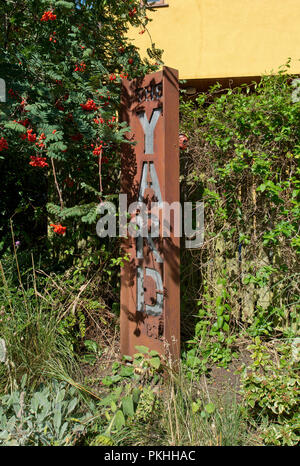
{"x": 150, "y": 285}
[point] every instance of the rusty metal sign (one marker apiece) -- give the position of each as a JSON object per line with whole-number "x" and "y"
{"x": 150, "y": 285}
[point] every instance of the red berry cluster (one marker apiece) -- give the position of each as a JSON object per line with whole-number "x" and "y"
{"x": 38, "y": 161}
{"x": 69, "y": 182}
{"x": 40, "y": 143}
{"x": 31, "y": 136}
{"x": 89, "y": 105}
{"x": 97, "y": 150}
{"x": 23, "y": 122}
{"x": 52, "y": 37}
{"x": 12, "y": 93}
{"x": 59, "y": 229}
{"x": 99, "y": 121}
{"x": 48, "y": 16}
{"x": 3, "y": 144}
{"x": 81, "y": 67}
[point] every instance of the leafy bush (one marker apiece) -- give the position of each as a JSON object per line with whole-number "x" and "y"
{"x": 271, "y": 391}
{"x": 63, "y": 62}
{"x": 49, "y": 416}
{"x": 242, "y": 162}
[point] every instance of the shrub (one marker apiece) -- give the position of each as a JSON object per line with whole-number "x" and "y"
{"x": 270, "y": 388}
{"x": 49, "y": 416}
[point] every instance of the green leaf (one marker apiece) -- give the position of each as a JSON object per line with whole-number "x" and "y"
{"x": 89, "y": 359}
{"x": 142, "y": 349}
{"x": 220, "y": 310}
{"x": 72, "y": 405}
{"x": 113, "y": 406}
{"x": 127, "y": 358}
{"x": 119, "y": 420}
{"x": 126, "y": 371}
{"x": 64, "y": 4}
{"x": 63, "y": 429}
{"x": 225, "y": 327}
{"x": 136, "y": 393}
{"x": 196, "y": 406}
{"x": 2, "y": 350}
{"x": 220, "y": 321}
{"x": 155, "y": 362}
{"x": 127, "y": 406}
{"x": 57, "y": 420}
{"x": 210, "y": 408}
{"x": 91, "y": 345}
{"x": 15, "y": 127}
{"x": 153, "y": 353}
{"x": 60, "y": 396}
{"x": 110, "y": 380}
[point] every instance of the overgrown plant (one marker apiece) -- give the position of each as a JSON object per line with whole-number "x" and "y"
{"x": 51, "y": 416}
{"x": 31, "y": 326}
{"x": 242, "y": 161}
{"x": 271, "y": 390}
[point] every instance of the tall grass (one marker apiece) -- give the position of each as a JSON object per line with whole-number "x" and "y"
{"x": 194, "y": 416}
{"x": 180, "y": 418}
{"x": 30, "y": 324}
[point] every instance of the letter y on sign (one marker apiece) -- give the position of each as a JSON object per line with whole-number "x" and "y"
{"x": 149, "y": 129}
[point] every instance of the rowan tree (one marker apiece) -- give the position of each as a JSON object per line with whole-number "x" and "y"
{"x": 63, "y": 62}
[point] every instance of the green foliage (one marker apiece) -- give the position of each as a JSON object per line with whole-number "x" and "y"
{"x": 50, "y": 416}
{"x": 193, "y": 415}
{"x": 93, "y": 352}
{"x": 214, "y": 340}
{"x": 115, "y": 411}
{"x": 131, "y": 398}
{"x": 30, "y": 327}
{"x": 102, "y": 440}
{"x": 144, "y": 366}
{"x": 148, "y": 406}
{"x": 45, "y": 319}
{"x": 52, "y": 68}
{"x": 147, "y": 362}
{"x": 243, "y": 162}
{"x": 271, "y": 394}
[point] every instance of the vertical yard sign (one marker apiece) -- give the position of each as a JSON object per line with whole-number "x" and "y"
{"x": 150, "y": 286}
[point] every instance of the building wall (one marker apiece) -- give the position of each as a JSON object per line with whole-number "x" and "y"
{"x": 225, "y": 38}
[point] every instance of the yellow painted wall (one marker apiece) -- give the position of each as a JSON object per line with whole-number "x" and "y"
{"x": 225, "y": 38}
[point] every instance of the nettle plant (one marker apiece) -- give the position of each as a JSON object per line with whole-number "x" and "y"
{"x": 62, "y": 62}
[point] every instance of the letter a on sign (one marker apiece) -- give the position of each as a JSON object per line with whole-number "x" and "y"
{"x": 150, "y": 294}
